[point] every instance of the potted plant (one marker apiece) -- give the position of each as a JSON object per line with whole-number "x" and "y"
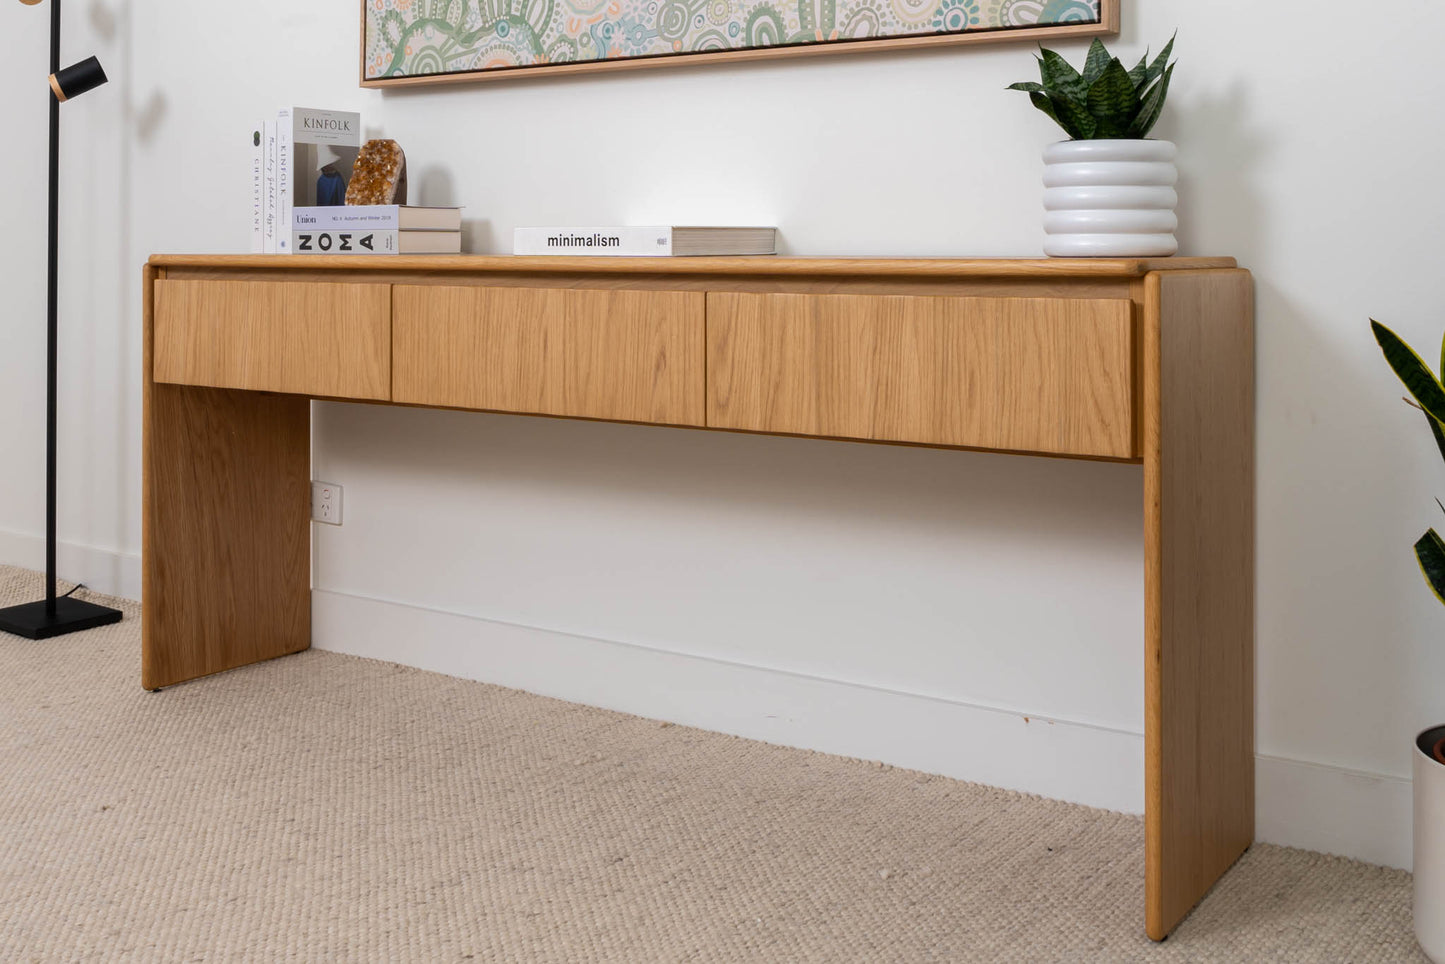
{"x": 1108, "y": 190}
{"x": 1429, "y": 396}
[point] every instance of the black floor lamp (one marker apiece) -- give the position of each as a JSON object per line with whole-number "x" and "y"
{"x": 56, "y": 616}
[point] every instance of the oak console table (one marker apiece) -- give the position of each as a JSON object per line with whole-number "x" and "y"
{"x": 1148, "y": 362}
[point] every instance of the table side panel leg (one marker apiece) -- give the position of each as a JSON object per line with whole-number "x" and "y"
{"x": 1199, "y": 584}
{"x": 226, "y": 564}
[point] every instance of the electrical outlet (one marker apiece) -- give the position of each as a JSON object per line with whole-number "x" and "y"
{"x": 326, "y": 503}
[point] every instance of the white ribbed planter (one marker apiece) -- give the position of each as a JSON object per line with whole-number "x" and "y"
{"x": 1430, "y": 846}
{"x": 1110, "y": 199}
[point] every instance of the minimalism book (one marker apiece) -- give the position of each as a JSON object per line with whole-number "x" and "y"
{"x": 644, "y": 242}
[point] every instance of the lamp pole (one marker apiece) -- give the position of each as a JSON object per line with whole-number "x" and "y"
{"x": 56, "y": 615}
{"x": 52, "y": 334}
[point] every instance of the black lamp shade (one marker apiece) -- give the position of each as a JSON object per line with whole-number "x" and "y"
{"x": 77, "y": 79}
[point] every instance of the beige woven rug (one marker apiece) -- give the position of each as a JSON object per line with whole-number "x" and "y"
{"x": 323, "y": 807}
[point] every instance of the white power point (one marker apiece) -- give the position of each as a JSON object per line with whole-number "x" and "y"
{"x": 326, "y": 503}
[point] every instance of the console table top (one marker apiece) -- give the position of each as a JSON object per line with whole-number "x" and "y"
{"x": 1040, "y": 268}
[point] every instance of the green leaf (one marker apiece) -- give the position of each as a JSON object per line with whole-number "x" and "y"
{"x": 1412, "y": 370}
{"x": 1439, "y": 432}
{"x": 1112, "y": 101}
{"x": 1074, "y": 117}
{"x": 1156, "y": 69}
{"x": 1143, "y": 91}
{"x": 1059, "y": 76}
{"x": 1151, "y": 107}
{"x": 1098, "y": 59}
{"x": 1430, "y": 552}
{"x": 1140, "y": 71}
{"x": 1045, "y": 105}
{"x": 1026, "y": 85}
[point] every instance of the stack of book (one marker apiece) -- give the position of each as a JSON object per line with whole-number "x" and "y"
{"x": 377, "y": 229}
{"x": 301, "y": 164}
{"x": 302, "y": 158}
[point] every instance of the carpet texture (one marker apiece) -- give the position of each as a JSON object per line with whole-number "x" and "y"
{"x": 327, "y": 807}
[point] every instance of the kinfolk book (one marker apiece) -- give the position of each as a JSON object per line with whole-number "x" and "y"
{"x": 315, "y": 153}
{"x": 644, "y": 242}
{"x": 271, "y": 190}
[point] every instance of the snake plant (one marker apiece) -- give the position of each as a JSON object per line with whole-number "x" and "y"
{"x": 1429, "y": 395}
{"x": 1104, "y": 101}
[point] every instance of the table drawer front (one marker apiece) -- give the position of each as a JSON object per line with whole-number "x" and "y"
{"x": 301, "y": 338}
{"x": 1047, "y": 375}
{"x": 625, "y": 355}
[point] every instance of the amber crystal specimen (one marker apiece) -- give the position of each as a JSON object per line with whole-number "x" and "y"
{"x": 379, "y": 175}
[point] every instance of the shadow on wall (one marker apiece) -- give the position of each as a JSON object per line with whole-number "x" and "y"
{"x": 994, "y": 579}
{"x": 966, "y": 495}
{"x": 111, "y": 24}
{"x": 1344, "y": 630}
{"x": 1217, "y": 161}
{"x": 433, "y": 186}
{"x": 1324, "y": 409}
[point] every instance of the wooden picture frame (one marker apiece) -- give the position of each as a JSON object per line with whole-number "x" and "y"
{"x": 461, "y": 41}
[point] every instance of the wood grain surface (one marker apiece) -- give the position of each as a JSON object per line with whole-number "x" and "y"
{"x": 227, "y": 548}
{"x": 1050, "y": 376}
{"x": 628, "y": 355}
{"x": 1040, "y": 269}
{"x": 1198, "y": 363}
{"x": 303, "y": 338}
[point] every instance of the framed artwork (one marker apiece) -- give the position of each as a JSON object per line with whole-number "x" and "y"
{"x": 446, "y": 41}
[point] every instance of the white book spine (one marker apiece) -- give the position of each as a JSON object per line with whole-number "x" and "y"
{"x": 285, "y": 162}
{"x": 258, "y": 191}
{"x": 373, "y": 217}
{"x": 365, "y": 241}
{"x": 272, "y": 225}
{"x": 626, "y": 242}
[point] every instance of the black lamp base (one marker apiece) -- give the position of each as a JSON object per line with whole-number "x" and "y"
{"x": 70, "y": 616}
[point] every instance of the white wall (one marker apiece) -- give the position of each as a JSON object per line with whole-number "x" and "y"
{"x": 896, "y": 604}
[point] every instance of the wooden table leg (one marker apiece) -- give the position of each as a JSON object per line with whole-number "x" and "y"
{"x": 1198, "y": 350}
{"x": 226, "y": 560}
{"x": 226, "y": 557}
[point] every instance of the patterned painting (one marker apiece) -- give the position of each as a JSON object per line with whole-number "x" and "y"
{"x": 410, "y": 38}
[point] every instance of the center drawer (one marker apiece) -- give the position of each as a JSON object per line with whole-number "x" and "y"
{"x": 623, "y": 355}
{"x": 1046, "y": 375}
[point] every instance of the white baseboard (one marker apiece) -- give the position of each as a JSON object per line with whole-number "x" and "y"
{"x": 1314, "y": 807}
{"x": 1366, "y": 816}
{"x": 106, "y": 571}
